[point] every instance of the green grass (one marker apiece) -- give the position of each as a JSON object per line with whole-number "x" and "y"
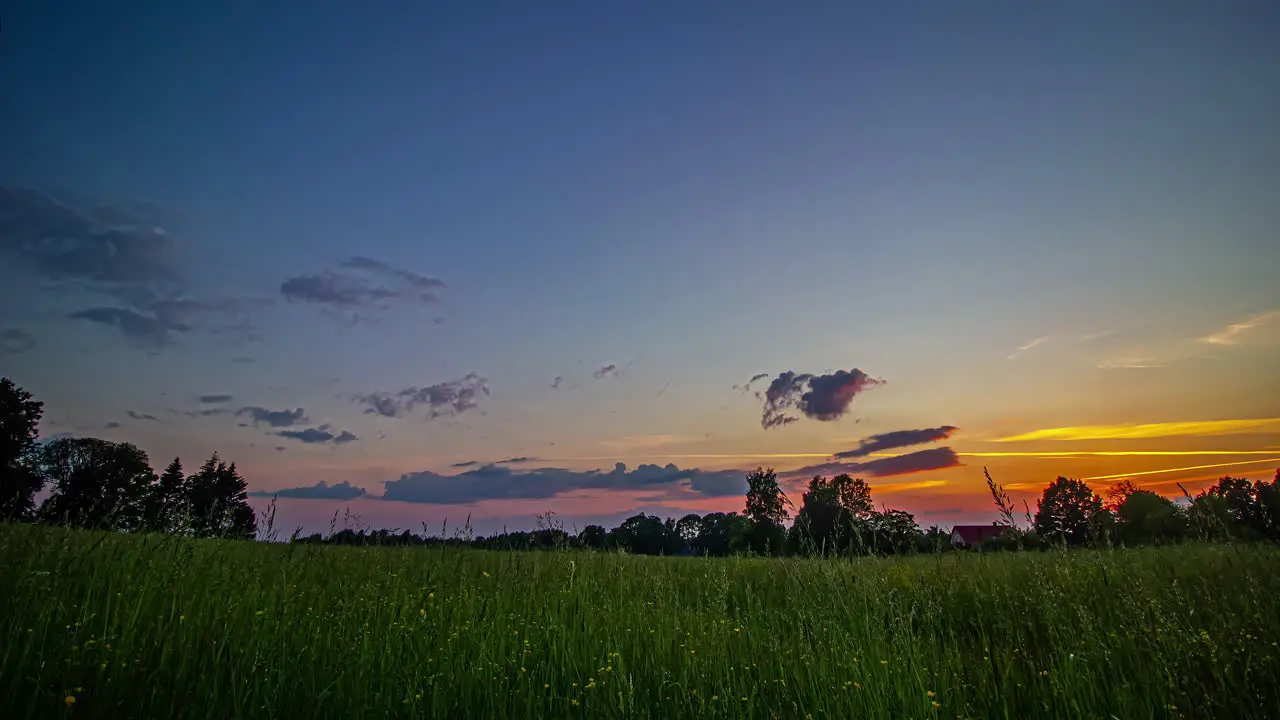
{"x": 154, "y": 627}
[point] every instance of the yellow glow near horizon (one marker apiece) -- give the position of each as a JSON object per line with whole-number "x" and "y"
{"x": 1148, "y": 430}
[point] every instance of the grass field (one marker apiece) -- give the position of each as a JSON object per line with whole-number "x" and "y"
{"x": 110, "y": 625}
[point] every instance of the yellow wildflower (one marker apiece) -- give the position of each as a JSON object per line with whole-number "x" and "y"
{"x": 69, "y": 700}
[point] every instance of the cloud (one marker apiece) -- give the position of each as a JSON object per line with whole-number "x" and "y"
{"x": 495, "y": 482}
{"x": 897, "y": 439}
{"x": 819, "y": 397}
{"x": 444, "y": 399}
{"x": 1180, "y": 469}
{"x": 321, "y": 435}
{"x": 359, "y": 262}
{"x": 143, "y": 416}
{"x": 15, "y": 342}
{"x": 744, "y": 387}
{"x": 919, "y": 461}
{"x": 555, "y": 382}
{"x": 1131, "y": 364}
{"x": 110, "y": 251}
{"x": 274, "y": 418}
{"x": 1021, "y": 349}
{"x": 113, "y": 425}
{"x": 606, "y": 370}
{"x": 1239, "y": 332}
{"x": 361, "y": 285}
{"x": 215, "y": 399}
{"x": 1149, "y": 430}
{"x": 466, "y": 464}
{"x": 320, "y": 491}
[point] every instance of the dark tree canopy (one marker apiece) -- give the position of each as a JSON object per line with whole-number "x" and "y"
{"x": 218, "y": 501}
{"x": 766, "y": 503}
{"x": 1068, "y": 512}
{"x": 19, "y": 429}
{"x": 96, "y": 483}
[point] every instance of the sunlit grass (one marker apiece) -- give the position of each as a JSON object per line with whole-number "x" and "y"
{"x": 106, "y": 625}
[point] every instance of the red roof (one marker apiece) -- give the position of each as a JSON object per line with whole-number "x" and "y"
{"x": 975, "y": 534}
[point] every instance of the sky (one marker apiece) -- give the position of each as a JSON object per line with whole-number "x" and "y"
{"x": 427, "y": 261}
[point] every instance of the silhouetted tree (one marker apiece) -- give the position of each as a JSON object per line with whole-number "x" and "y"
{"x": 1068, "y": 512}
{"x": 96, "y": 483}
{"x": 218, "y": 501}
{"x": 688, "y": 528}
{"x": 642, "y": 534}
{"x": 592, "y": 536}
{"x": 167, "y": 508}
{"x": 1145, "y": 517}
{"x": 19, "y": 427}
{"x": 724, "y": 533}
{"x": 767, "y": 508}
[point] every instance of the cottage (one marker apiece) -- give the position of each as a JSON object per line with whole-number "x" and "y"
{"x": 973, "y": 535}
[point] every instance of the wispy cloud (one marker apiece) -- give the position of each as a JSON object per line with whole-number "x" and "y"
{"x": 1022, "y": 349}
{"x": 361, "y": 286}
{"x": 1180, "y": 469}
{"x": 1149, "y": 430}
{"x": 910, "y": 463}
{"x": 1240, "y": 332}
{"x": 1131, "y": 364}
{"x": 605, "y": 371}
{"x": 443, "y": 399}
{"x": 143, "y": 416}
{"x": 15, "y": 341}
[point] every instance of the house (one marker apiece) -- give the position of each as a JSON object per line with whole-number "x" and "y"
{"x": 973, "y": 535}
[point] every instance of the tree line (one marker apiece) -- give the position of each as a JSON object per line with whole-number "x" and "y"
{"x": 99, "y": 484}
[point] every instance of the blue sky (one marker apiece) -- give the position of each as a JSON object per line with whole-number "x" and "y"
{"x": 692, "y": 192}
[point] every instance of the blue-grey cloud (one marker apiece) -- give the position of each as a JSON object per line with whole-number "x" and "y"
{"x": 606, "y": 370}
{"x": 897, "y": 439}
{"x": 322, "y": 435}
{"x": 496, "y": 482}
{"x": 320, "y": 491}
{"x": 919, "y": 461}
{"x": 744, "y": 387}
{"x": 361, "y": 286}
{"x": 444, "y": 399}
{"x": 143, "y": 416}
{"x": 275, "y": 418}
{"x": 556, "y": 381}
{"x": 819, "y": 397}
{"x": 216, "y": 399}
{"x": 15, "y": 341}
{"x": 111, "y": 251}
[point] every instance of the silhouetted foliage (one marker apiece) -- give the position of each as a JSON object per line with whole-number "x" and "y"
{"x": 96, "y": 483}
{"x": 19, "y": 428}
{"x": 218, "y": 501}
{"x": 1144, "y": 517}
{"x": 1069, "y": 512}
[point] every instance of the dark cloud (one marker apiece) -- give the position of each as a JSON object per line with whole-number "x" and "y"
{"x": 280, "y": 448}
{"x": 897, "y": 439}
{"x": 555, "y": 382}
{"x": 322, "y": 435}
{"x": 215, "y": 399}
{"x": 143, "y": 416}
{"x": 466, "y": 464}
{"x": 109, "y": 251}
{"x": 444, "y": 399}
{"x": 515, "y": 461}
{"x": 919, "y": 461}
{"x": 818, "y": 397}
{"x": 744, "y": 387}
{"x": 275, "y": 418}
{"x": 113, "y": 425}
{"x": 358, "y": 262}
{"x": 496, "y": 482}
{"x": 606, "y": 370}
{"x": 361, "y": 286}
{"x": 14, "y": 341}
{"x": 320, "y": 491}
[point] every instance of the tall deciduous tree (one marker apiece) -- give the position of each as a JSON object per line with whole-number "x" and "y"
{"x": 96, "y": 483}
{"x": 19, "y": 428}
{"x": 1069, "y": 511}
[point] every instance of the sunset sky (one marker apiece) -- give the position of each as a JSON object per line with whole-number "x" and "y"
{"x": 386, "y": 246}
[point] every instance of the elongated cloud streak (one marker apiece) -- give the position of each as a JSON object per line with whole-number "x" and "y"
{"x": 897, "y": 439}
{"x": 1018, "y": 351}
{"x": 1234, "y": 334}
{"x": 1149, "y": 430}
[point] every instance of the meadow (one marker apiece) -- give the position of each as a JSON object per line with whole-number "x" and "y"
{"x": 152, "y": 626}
